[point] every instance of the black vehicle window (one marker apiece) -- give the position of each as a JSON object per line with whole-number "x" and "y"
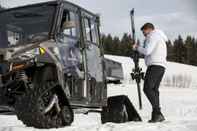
{"x": 26, "y": 25}
{"x": 87, "y": 29}
{"x": 13, "y": 37}
{"x": 94, "y": 32}
{"x": 69, "y": 23}
{"x": 91, "y": 30}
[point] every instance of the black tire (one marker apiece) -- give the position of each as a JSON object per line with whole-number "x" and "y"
{"x": 1, "y": 96}
{"x": 119, "y": 110}
{"x": 29, "y": 108}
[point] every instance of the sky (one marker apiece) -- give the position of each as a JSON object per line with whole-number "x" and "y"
{"x": 174, "y": 17}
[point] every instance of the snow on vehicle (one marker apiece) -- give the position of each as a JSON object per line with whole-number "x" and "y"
{"x": 52, "y": 63}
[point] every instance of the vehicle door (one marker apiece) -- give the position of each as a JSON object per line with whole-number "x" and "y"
{"x": 71, "y": 54}
{"x": 97, "y": 91}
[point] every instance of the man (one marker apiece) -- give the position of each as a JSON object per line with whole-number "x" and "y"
{"x": 155, "y": 52}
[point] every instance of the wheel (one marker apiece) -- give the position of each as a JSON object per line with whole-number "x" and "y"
{"x": 119, "y": 110}
{"x": 114, "y": 114}
{"x": 115, "y": 111}
{"x": 43, "y": 106}
{"x": 1, "y": 96}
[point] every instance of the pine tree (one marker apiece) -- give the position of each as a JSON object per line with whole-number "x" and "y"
{"x": 107, "y": 43}
{"x": 189, "y": 49}
{"x": 194, "y": 56}
{"x": 182, "y": 51}
{"x": 170, "y": 53}
{"x": 179, "y": 50}
{"x": 195, "y": 48}
{"x": 116, "y": 46}
{"x": 126, "y": 45}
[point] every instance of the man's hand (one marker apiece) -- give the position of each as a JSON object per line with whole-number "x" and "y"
{"x": 135, "y": 46}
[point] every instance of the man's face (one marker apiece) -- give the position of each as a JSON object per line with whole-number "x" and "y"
{"x": 146, "y": 31}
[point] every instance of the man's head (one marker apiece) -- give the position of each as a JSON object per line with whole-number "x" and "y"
{"x": 147, "y": 28}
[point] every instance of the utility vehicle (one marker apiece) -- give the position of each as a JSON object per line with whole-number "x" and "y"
{"x": 52, "y": 64}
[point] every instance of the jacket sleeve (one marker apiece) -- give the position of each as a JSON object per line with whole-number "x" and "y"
{"x": 150, "y": 43}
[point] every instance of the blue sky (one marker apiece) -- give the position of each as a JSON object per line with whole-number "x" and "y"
{"x": 173, "y": 16}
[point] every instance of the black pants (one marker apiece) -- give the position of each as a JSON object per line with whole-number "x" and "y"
{"x": 153, "y": 77}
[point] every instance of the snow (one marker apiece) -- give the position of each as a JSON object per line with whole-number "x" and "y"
{"x": 177, "y": 75}
{"x": 179, "y": 106}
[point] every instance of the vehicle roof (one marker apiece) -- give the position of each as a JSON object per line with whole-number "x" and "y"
{"x": 49, "y": 2}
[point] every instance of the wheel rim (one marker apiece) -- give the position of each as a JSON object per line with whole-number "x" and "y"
{"x": 49, "y": 103}
{"x": 51, "y": 106}
{"x": 45, "y": 102}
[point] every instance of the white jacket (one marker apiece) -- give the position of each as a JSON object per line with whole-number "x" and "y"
{"x": 155, "y": 48}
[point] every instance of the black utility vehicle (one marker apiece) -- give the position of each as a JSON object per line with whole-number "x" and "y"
{"x": 52, "y": 64}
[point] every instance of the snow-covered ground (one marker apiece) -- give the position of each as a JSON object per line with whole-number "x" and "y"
{"x": 177, "y": 75}
{"x": 178, "y": 104}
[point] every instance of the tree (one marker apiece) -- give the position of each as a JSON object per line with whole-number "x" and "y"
{"x": 182, "y": 51}
{"x": 116, "y": 46}
{"x": 179, "y": 50}
{"x": 190, "y": 50}
{"x": 107, "y": 43}
{"x": 126, "y": 45}
{"x": 170, "y": 51}
{"x": 1, "y": 8}
{"x": 188, "y": 45}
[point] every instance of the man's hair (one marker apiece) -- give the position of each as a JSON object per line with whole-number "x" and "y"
{"x": 147, "y": 26}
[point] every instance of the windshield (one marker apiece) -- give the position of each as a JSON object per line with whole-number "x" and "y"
{"x": 25, "y": 25}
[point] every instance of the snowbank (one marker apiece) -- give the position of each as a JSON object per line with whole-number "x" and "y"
{"x": 177, "y": 75}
